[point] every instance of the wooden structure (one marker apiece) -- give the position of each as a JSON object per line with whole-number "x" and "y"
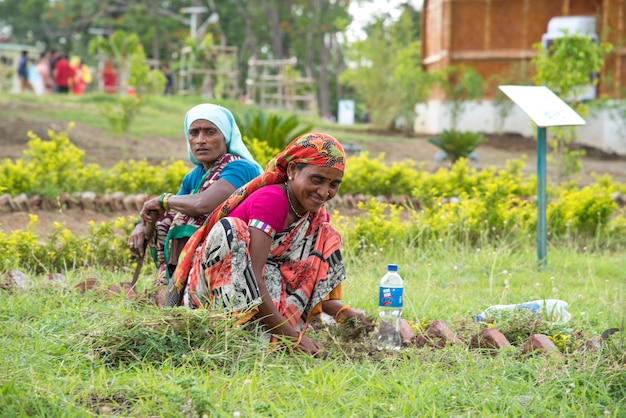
{"x": 212, "y": 73}
{"x": 496, "y": 36}
{"x": 275, "y": 84}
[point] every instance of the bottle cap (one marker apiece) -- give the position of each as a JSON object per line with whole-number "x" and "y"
{"x": 392, "y": 267}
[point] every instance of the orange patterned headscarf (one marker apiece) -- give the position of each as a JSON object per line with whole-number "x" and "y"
{"x": 312, "y": 148}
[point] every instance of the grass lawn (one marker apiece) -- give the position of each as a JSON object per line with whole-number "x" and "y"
{"x": 66, "y": 354}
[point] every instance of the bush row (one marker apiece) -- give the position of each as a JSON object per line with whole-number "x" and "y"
{"x": 462, "y": 204}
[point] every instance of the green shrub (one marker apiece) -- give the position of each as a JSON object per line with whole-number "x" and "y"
{"x": 105, "y": 245}
{"x": 61, "y": 164}
{"x": 458, "y": 144}
{"x": 581, "y": 212}
{"x": 277, "y": 130}
{"x": 140, "y": 177}
{"x": 260, "y": 150}
{"x": 371, "y": 176}
{"x": 121, "y": 113}
{"x": 47, "y": 167}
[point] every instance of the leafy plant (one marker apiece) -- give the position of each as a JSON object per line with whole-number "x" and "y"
{"x": 371, "y": 176}
{"x": 277, "y": 130}
{"x": 565, "y": 67}
{"x": 61, "y": 163}
{"x": 121, "y": 113}
{"x": 502, "y": 104}
{"x": 127, "y": 52}
{"x": 385, "y": 70}
{"x": 458, "y": 144}
{"x": 260, "y": 150}
{"x": 460, "y": 85}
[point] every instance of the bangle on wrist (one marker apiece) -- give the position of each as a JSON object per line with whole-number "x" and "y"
{"x": 161, "y": 198}
{"x": 166, "y": 199}
{"x": 343, "y": 308}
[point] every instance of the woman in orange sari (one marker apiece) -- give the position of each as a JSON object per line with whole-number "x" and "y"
{"x": 269, "y": 252}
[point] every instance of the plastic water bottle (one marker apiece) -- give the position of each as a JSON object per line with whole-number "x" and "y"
{"x": 554, "y": 310}
{"x": 389, "y": 309}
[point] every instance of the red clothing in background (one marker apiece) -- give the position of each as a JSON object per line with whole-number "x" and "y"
{"x": 109, "y": 77}
{"x": 64, "y": 74}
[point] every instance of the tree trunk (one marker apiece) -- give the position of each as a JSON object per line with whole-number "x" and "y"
{"x": 152, "y": 11}
{"x": 249, "y": 47}
{"x": 276, "y": 34}
{"x": 324, "y": 98}
{"x": 338, "y": 67}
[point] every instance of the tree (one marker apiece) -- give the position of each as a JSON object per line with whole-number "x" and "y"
{"x": 265, "y": 29}
{"x": 385, "y": 69}
{"x": 461, "y": 85}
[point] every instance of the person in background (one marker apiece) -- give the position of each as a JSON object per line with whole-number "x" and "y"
{"x": 223, "y": 164}
{"x": 78, "y": 86}
{"x": 269, "y": 252}
{"x": 22, "y": 72}
{"x": 43, "y": 68}
{"x": 82, "y": 75}
{"x": 109, "y": 77}
{"x": 169, "y": 80}
{"x": 63, "y": 75}
{"x": 53, "y": 58}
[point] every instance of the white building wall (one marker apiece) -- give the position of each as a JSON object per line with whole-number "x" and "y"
{"x": 604, "y": 130}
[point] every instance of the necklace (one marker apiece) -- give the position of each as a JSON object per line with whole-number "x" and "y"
{"x": 291, "y": 204}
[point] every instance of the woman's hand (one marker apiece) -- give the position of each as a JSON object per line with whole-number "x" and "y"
{"x": 152, "y": 204}
{"x": 311, "y": 347}
{"x": 135, "y": 242}
{"x": 354, "y": 313}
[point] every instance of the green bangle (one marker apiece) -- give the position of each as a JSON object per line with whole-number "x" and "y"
{"x": 161, "y": 198}
{"x": 166, "y": 200}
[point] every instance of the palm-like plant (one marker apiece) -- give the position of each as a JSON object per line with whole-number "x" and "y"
{"x": 277, "y": 130}
{"x": 458, "y": 144}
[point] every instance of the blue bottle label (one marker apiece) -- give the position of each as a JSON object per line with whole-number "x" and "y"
{"x": 531, "y": 306}
{"x": 390, "y": 297}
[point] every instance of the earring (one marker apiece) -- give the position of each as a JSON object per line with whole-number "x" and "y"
{"x": 290, "y": 178}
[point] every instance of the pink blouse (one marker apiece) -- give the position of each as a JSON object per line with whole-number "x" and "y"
{"x": 265, "y": 209}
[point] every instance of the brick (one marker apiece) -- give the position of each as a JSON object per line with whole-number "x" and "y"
{"x": 22, "y": 203}
{"x": 437, "y": 334}
{"x": 16, "y": 280}
{"x": 541, "y": 343}
{"x": 86, "y": 285}
{"x": 406, "y": 333}
{"x": 88, "y": 200}
{"x": 123, "y": 288}
{"x": 490, "y": 338}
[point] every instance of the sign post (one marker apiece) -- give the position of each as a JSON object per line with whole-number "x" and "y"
{"x": 545, "y": 109}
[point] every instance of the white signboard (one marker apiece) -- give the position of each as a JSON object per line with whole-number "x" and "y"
{"x": 345, "y": 115}
{"x": 542, "y": 106}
